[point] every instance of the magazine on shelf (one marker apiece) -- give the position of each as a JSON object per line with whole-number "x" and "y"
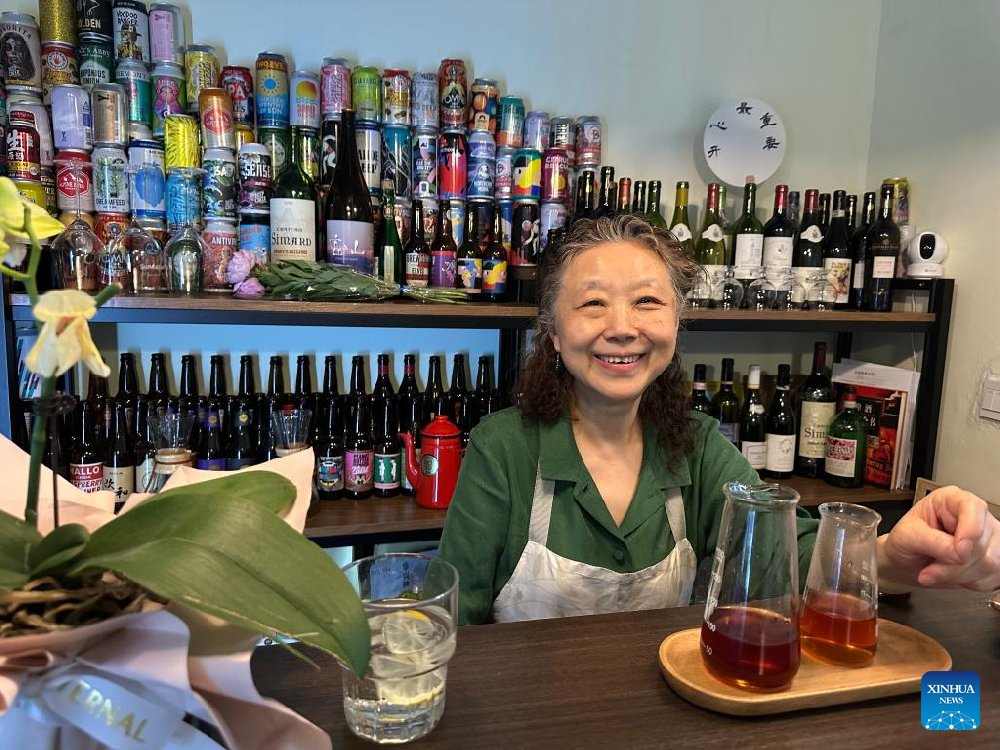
{"x": 887, "y": 397}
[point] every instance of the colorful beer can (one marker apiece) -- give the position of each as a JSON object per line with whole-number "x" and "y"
{"x": 254, "y": 165}
{"x": 109, "y": 227}
{"x": 59, "y": 66}
{"x": 271, "y": 93}
{"x": 510, "y": 130}
{"x": 395, "y": 97}
{"x": 555, "y": 175}
{"x": 109, "y": 107}
{"x": 900, "y": 199}
{"x": 201, "y": 65}
{"x": 425, "y": 162}
{"x": 370, "y": 153}
{"x": 134, "y": 78}
{"x": 72, "y": 121}
{"x": 278, "y": 142}
{"x": 588, "y": 140}
{"x": 111, "y": 184}
{"x": 238, "y": 82}
{"x": 218, "y": 184}
{"x": 425, "y": 102}
{"x": 503, "y": 184}
{"x": 26, "y": 101}
{"x": 20, "y": 52}
{"x": 244, "y": 134}
{"x": 222, "y": 240}
{"x": 484, "y": 103}
{"x": 329, "y": 135}
{"x": 183, "y": 200}
{"x": 24, "y": 148}
{"x": 335, "y": 87}
{"x": 525, "y": 226}
{"x": 97, "y": 61}
{"x": 397, "y": 163}
{"x": 482, "y": 164}
{"x": 366, "y": 93}
{"x": 216, "y": 119}
{"x": 455, "y": 208}
{"x": 255, "y": 236}
{"x": 169, "y": 93}
{"x": 180, "y": 139}
{"x": 552, "y": 215}
{"x": 527, "y": 175}
{"x": 305, "y": 100}
{"x": 454, "y": 93}
{"x": 536, "y": 130}
{"x": 562, "y": 134}
{"x": 148, "y": 193}
{"x": 58, "y": 21}
{"x": 74, "y": 181}
{"x": 166, "y": 34}
{"x": 93, "y": 18}
{"x": 452, "y": 166}
{"x": 131, "y": 24}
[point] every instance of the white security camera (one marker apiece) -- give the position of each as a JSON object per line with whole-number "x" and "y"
{"x": 924, "y": 255}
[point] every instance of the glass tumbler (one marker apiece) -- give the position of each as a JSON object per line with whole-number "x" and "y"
{"x": 411, "y": 602}
{"x": 839, "y": 622}
{"x": 750, "y": 635}
{"x": 290, "y": 430}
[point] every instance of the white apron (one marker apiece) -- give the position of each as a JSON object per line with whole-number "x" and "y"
{"x": 545, "y": 585}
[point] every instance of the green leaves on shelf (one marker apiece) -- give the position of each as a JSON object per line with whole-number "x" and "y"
{"x": 17, "y": 539}
{"x": 307, "y": 280}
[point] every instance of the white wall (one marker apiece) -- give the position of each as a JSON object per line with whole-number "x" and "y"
{"x": 936, "y": 119}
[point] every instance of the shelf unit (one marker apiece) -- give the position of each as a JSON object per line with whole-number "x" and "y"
{"x": 395, "y": 519}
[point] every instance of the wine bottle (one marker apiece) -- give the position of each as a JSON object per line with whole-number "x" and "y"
{"x": 653, "y": 215}
{"x": 435, "y": 400}
{"x": 350, "y": 229}
{"x": 469, "y": 258}
{"x": 882, "y": 249}
{"x": 753, "y": 428}
{"x": 293, "y": 213}
{"x": 329, "y": 449}
{"x": 458, "y": 388}
{"x": 119, "y": 462}
{"x": 443, "y": 253}
{"x": 817, "y": 407}
{"x": 780, "y": 432}
{"x": 851, "y": 212}
{"x": 357, "y": 396}
{"x": 639, "y": 197}
{"x": 824, "y": 213}
{"x": 794, "y": 209}
{"x": 699, "y": 391}
{"x": 390, "y": 259}
{"x": 605, "y": 201}
{"x": 128, "y": 387}
{"x": 218, "y": 392}
{"x": 212, "y": 450}
{"x": 624, "y": 196}
{"x": 710, "y": 249}
{"x": 585, "y": 195}
{"x": 808, "y": 254}
{"x": 749, "y": 235}
{"x": 779, "y": 233}
{"x": 388, "y": 463}
{"x": 418, "y": 255}
{"x": 859, "y": 253}
{"x": 305, "y": 397}
{"x": 680, "y": 224}
{"x": 495, "y": 262}
{"x": 158, "y": 394}
{"x": 382, "y": 392}
{"x": 410, "y": 408}
{"x": 359, "y": 452}
{"x": 483, "y": 395}
{"x": 847, "y": 445}
{"x": 100, "y": 406}
{"x": 243, "y": 430}
{"x": 190, "y": 403}
{"x": 145, "y": 449}
{"x": 86, "y": 452}
{"x": 331, "y": 392}
{"x": 726, "y": 404}
{"x": 837, "y": 252}
{"x": 726, "y": 224}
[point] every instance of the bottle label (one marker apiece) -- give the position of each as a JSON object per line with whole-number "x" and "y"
{"x": 389, "y": 264}
{"x": 858, "y": 282}
{"x": 443, "y": 269}
{"x": 814, "y": 426}
{"x": 494, "y": 276}
{"x": 812, "y": 234}
{"x": 330, "y": 473}
{"x": 838, "y": 271}
{"x": 755, "y": 453}
{"x": 778, "y": 252}
{"x": 86, "y": 477}
{"x": 841, "y": 457}
{"x": 713, "y": 233}
{"x": 387, "y": 474}
{"x": 715, "y": 273}
{"x": 293, "y": 229}
{"x": 418, "y": 269}
{"x": 802, "y": 274}
{"x": 883, "y": 267}
{"x": 681, "y": 232}
{"x": 358, "y": 470}
{"x": 350, "y": 243}
{"x": 144, "y": 474}
{"x": 470, "y": 272}
{"x": 210, "y": 464}
{"x": 120, "y": 480}
{"x": 731, "y": 430}
{"x": 749, "y": 250}
{"x": 256, "y": 239}
{"x": 780, "y": 452}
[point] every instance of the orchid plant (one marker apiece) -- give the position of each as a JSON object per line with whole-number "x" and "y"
{"x": 218, "y": 546}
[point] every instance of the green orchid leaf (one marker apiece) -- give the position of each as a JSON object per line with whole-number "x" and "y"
{"x": 264, "y": 488}
{"x": 17, "y": 537}
{"x": 233, "y": 558}
{"x": 57, "y": 549}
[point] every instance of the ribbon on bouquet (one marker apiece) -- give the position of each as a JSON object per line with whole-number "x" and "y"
{"x": 108, "y": 708}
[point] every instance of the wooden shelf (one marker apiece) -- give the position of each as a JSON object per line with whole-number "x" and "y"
{"x": 224, "y": 309}
{"x": 815, "y": 492}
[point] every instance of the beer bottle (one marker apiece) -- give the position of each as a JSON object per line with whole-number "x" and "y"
{"x": 86, "y": 451}
{"x": 305, "y": 398}
{"x": 358, "y": 395}
{"x": 145, "y": 449}
{"x": 388, "y": 466}
{"x": 485, "y": 401}
{"x": 469, "y": 264}
{"x": 458, "y": 388}
{"x": 409, "y": 407}
{"x": 329, "y": 449}
{"x": 243, "y": 429}
{"x": 212, "y": 450}
{"x": 383, "y": 391}
{"x": 359, "y": 453}
{"x": 624, "y": 196}
{"x": 443, "y": 252}
{"x": 639, "y": 197}
{"x": 331, "y": 393}
{"x": 606, "y": 201}
{"x": 584, "y": 198}
{"x": 390, "y": 258}
{"x": 418, "y": 255}
{"x": 100, "y": 406}
{"x": 189, "y": 401}
{"x": 495, "y": 262}
{"x": 350, "y": 222}
{"x": 128, "y": 387}
{"x": 218, "y": 391}
{"x": 119, "y": 463}
{"x": 435, "y": 400}
{"x": 159, "y": 387}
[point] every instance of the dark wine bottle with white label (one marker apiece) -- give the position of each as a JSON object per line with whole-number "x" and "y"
{"x": 350, "y": 224}
{"x": 779, "y": 429}
{"x": 753, "y": 436}
{"x": 837, "y": 251}
{"x": 726, "y": 404}
{"x": 882, "y": 246}
{"x": 808, "y": 246}
{"x": 859, "y": 253}
{"x": 779, "y": 233}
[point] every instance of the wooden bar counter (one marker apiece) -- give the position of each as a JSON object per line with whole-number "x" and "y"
{"x": 594, "y": 682}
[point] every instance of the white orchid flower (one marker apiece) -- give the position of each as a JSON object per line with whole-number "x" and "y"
{"x": 65, "y": 336}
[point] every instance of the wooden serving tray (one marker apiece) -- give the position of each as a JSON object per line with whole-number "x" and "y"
{"x": 903, "y": 656}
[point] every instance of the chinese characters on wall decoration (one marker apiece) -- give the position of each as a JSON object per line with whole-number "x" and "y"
{"x": 744, "y": 140}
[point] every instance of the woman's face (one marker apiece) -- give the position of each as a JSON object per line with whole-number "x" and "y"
{"x": 616, "y": 322}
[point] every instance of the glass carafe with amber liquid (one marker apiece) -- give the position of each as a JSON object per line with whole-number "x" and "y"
{"x": 839, "y": 622}
{"x": 750, "y": 634}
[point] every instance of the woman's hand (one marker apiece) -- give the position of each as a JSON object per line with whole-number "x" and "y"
{"x": 948, "y": 539}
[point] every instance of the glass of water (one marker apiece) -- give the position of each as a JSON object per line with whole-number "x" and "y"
{"x": 411, "y": 602}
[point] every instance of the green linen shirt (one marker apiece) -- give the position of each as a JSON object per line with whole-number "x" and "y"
{"x": 486, "y": 529}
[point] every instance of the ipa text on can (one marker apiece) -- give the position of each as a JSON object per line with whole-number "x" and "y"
{"x": 335, "y": 87}
{"x": 131, "y": 24}
{"x": 109, "y": 108}
{"x": 305, "y": 100}
{"x": 454, "y": 93}
{"x": 425, "y": 162}
{"x": 424, "y": 102}
{"x": 72, "y": 121}
{"x": 166, "y": 33}
{"x": 238, "y": 81}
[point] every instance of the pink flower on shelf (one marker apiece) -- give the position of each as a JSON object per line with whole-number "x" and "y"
{"x": 239, "y": 267}
{"x": 249, "y": 288}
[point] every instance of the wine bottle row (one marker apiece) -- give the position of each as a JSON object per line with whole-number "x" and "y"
{"x": 799, "y": 433}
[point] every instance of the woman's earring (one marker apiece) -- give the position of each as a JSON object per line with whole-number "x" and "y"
{"x": 558, "y": 366}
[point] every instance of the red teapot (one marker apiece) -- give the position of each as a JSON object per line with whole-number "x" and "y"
{"x": 440, "y": 459}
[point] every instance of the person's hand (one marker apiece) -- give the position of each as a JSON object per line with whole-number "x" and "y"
{"x": 948, "y": 539}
